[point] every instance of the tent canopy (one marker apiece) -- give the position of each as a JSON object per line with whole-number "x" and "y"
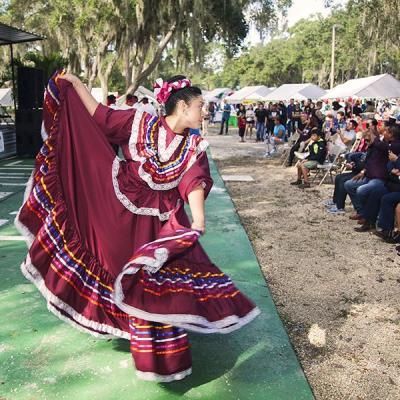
{"x": 249, "y": 93}
{"x": 297, "y": 91}
{"x": 144, "y": 92}
{"x": 379, "y": 87}
{"x": 11, "y": 35}
{"x": 215, "y": 95}
{"x": 6, "y": 99}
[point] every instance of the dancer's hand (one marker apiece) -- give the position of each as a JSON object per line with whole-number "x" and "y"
{"x": 199, "y": 227}
{"x": 87, "y": 99}
{"x": 70, "y": 78}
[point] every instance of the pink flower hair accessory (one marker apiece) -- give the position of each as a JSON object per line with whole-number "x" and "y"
{"x": 163, "y": 90}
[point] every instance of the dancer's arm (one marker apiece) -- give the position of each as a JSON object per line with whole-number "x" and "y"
{"x": 196, "y": 203}
{"x": 87, "y": 99}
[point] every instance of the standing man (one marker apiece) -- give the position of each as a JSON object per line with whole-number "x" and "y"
{"x": 290, "y": 121}
{"x": 225, "y": 117}
{"x": 211, "y": 110}
{"x": 261, "y": 116}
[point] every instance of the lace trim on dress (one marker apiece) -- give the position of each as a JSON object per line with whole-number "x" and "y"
{"x": 151, "y": 376}
{"x": 128, "y": 204}
{"x": 54, "y": 304}
{"x": 164, "y": 153}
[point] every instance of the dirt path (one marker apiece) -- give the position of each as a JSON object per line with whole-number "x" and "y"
{"x": 337, "y": 291}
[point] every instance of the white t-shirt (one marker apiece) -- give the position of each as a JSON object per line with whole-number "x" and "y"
{"x": 250, "y": 115}
{"x": 125, "y": 107}
{"x": 351, "y": 135}
{"x": 148, "y": 108}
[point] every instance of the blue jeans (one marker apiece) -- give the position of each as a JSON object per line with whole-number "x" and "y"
{"x": 370, "y": 209}
{"x": 340, "y": 194}
{"x": 260, "y": 126}
{"x": 224, "y": 122}
{"x": 360, "y": 190}
{"x": 290, "y": 127}
{"x": 387, "y": 211}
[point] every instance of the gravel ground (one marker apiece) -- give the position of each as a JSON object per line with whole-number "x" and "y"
{"x": 337, "y": 291}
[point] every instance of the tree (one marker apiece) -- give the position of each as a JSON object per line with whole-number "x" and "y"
{"x": 96, "y": 36}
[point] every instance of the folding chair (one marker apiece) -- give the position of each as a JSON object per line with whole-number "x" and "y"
{"x": 287, "y": 147}
{"x": 352, "y": 150}
{"x": 328, "y": 167}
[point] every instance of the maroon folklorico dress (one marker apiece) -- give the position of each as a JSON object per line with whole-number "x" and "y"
{"x": 110, "y": 245}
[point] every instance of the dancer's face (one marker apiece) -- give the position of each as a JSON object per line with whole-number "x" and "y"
{"x": 192, "y": 112}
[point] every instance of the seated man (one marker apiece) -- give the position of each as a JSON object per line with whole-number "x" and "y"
{"x": 345, "y": 138}
{"x": 374, "y": 175}
{"x": 317, "y": 150}
{"x": 278, "y": 137}
{"x": 379, "y": 198}
{"x": 356, "y": 162}
{"x": 357, "y": 157}
{"x": 390, "y": 207}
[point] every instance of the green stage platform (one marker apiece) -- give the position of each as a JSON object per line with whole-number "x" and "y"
{"x": 42, "y": 358}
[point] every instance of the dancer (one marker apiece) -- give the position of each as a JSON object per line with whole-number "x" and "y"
{"x": 110, "y": 245}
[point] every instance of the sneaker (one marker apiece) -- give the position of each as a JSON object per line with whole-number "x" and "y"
{"x": 328, "y": 203}
{"x": 336, "y": 211}
{"x": 296, "y": 183}
{"x": 273, "y": 151}
{"x": 305, "y": 185}
{"x": 267, "y": 155}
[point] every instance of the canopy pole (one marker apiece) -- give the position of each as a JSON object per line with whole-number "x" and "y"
{"x": 13, "y": 81}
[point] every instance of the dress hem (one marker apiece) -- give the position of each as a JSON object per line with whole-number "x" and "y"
{"x": 77, "y": 320}
{"x": 194, "y": 323}
{"x": 151, "y": 376}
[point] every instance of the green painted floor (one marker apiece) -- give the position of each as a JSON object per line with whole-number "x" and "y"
{"x": 45, "y": 359}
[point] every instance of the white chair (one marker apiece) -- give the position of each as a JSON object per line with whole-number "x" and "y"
{"x": 328, "y": 167}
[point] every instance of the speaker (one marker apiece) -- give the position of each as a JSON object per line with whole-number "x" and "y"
{"x": 30, "y": 85}
{"x": 28, "y": 124}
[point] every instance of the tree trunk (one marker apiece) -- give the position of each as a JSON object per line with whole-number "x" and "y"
{"x": 142, "y": 72}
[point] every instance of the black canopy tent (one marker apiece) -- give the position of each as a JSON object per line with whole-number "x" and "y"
{"x": 8, "y": 37}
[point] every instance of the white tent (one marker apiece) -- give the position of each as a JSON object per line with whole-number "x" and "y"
{"x": 6, "y": 99}
{"x": 249, "y": 93}
{"x": 144, "y": 92}
{"x": 297, "y": 91}
{"x": 97, "y": 93}
{"x": 378, "y": 87}
{"x": 215, "y": 95}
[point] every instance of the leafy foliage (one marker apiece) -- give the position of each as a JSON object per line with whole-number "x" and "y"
{"x": 367, "y": 37}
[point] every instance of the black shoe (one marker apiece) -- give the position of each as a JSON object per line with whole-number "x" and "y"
{"x": 296, "y": 183}
{"x": 364, "y": 227}
{"x": 396, "y": 237}
{"x": 385, "y": 235}
{"x": 305, "y": 185}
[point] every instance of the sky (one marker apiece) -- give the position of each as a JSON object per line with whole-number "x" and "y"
{"x": 300, "y": 9}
